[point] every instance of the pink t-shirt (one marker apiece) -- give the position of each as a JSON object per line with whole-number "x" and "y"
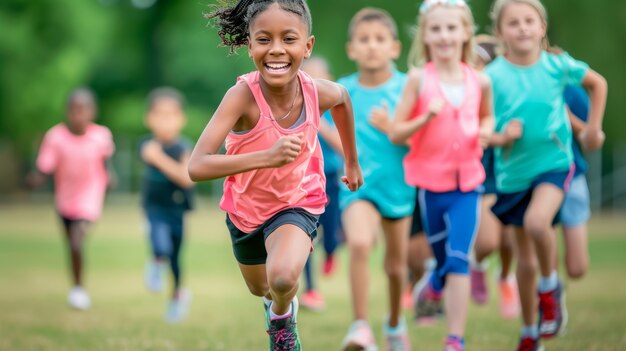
{"x": 252, "y": 197}
{"x": 445, "y": 154}
{"x": 78, "y": 165}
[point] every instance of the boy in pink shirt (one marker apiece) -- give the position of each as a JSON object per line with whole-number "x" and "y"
{"x": 75, "y": 153}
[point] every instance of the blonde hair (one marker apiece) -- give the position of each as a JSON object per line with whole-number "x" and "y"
{"x": 500, "y": 5}
{"x": 419, "y": 53}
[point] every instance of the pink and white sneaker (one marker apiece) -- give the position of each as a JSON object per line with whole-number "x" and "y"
{"x": 359, "y": 338}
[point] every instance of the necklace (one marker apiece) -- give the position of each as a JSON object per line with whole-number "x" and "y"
{"x": 292, "y": 104}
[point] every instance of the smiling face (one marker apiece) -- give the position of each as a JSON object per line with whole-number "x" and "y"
{"x": 373, "y": 46}
{"x": 279, "y": 42}
{"x": 445, "y": 33}
{"x": 522, "y": 29}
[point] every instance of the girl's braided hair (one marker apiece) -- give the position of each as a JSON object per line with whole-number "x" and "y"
{"x": 234, "y": 20}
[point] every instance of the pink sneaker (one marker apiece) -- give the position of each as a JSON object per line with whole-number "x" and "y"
{"x": 359, "y": 338}
{"x": 407, "y": 299}
{"x": 453, "y": 345}
{"x": 312, "y": 300}
{"x": 509, "y": 298}
{"x": 330, "y": 264}
{"x": 480, "y": 294}
{"x": 428, "y": 306}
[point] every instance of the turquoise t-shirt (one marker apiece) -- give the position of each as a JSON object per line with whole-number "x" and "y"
{"x": 333, "y": 162}
{"x": 380, "y": 159}
{"x": 534, "y": 95}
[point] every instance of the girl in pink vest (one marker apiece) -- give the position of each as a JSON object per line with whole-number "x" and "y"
{"x": 446, "y": 115}
{"x": 274, "y": 189}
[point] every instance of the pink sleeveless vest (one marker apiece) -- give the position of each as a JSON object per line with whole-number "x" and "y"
{"x": 251, "y": 198}
{"x": 445, "y": 154}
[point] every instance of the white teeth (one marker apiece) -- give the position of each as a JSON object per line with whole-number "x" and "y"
{"x": 277, "y": 65}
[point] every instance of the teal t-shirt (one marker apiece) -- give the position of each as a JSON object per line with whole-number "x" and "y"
{"x": 534, "y": 95}
{"x": 380, "y": 159}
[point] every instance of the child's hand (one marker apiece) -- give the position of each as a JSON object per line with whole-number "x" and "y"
{"x": 591, "y": 138}
{"x": 353, "y": 178}
{"x": 379, "y": 118}
{"x": 434, "y": 107}
{"x": 285, "y": 150}
{"x": 513, "y": 131}
{"x": 484, "y": 135}
{"x": 151, "y": 151}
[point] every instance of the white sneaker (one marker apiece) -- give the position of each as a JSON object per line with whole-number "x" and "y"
{"x": 359, "y": 337}
{"x": 79, "y": 299}
{"x": 178, "y": 308}
{"x": 153, "y": 276}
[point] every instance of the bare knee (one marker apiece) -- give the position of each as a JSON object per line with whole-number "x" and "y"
{"x": 283, "y": 283}
{"x": 395, "y": 269}
{"x": 537, "y": 225}
{"x": 576, "y": 271}
{"x": 360, "y": 250}
{"x": 527, "y": 266}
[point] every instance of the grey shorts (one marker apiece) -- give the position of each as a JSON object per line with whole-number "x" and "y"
{"x": 576, "y": 209}
{"x": 249, "y": 248}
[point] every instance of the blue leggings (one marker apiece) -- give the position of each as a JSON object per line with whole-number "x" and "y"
{"x": 166, "y": 239}
{"x": 450, "y": 222}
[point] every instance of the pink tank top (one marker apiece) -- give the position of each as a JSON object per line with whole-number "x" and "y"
{"x": 252, "y": 197}
{"x": 445, "y": 154}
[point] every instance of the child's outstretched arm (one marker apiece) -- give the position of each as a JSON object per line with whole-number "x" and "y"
{"x": 487, "y": 122}
{"x": 174, "y": 170}
{"x": 335, "y": 97}
{"x": 592, "y": 136}
{"x": 205, "y": 163}
{"x": 402, "y": 127}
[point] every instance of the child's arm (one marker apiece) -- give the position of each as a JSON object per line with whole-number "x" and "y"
{"x": 335, "y": 97}
{"x": 331, "y": 136}
{"x": 485, "y": 112}
{"x": 174, "y": 170}
{"x": 592, "y": 137}
{"x": 206, "y": 164}
{"x": 402, "y": 127}
{"x": 512, "y": 132}
{"x": 578, "y": 125}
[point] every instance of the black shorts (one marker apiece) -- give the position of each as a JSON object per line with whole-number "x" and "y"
{"x": 68, "y": 222}
{"x": 249, "y": 248}
{"x": 417, "y": 227}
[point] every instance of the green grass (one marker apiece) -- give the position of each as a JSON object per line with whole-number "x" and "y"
{"x": 224, "y": 316}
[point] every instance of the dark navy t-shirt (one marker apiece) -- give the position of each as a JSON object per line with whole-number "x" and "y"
{"x": 577, "y": 100}
{"x": 160, "y": 193}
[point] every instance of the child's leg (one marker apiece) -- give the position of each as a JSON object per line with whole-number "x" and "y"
{"x": 419, "y": 253}
{"x": 526, "y": 277}
{"x": 177, "y": 242}
{"x": 75, "y": 233}
{"x": 576, "y": 253}
{"x": 544, "y": 205}
{"x": 288, "y": 249}
{"x": 308, "y": 274}
{"x": 361, "y": 221}
{"x": 462, "y": 223}
{"x": 396, "y": 242}
{"x": 488, "y": 237}
{"x": 507, "y": 250}
{"x": 330, "y": 220}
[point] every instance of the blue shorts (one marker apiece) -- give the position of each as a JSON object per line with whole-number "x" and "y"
{"x": 249, "y": 248}
{"x": 576, "y": 209}
{"x": 510, "y": 208}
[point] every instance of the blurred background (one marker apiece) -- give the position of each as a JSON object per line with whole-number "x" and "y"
{"x": 124, "y": 48}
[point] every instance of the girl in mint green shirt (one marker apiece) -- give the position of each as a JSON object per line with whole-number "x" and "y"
{"x": 533, "y": 152}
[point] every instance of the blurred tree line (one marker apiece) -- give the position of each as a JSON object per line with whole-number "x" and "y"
{"x": 124, "y": 48}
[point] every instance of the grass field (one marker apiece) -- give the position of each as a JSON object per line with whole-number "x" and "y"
{"x": 224, "y": 316}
